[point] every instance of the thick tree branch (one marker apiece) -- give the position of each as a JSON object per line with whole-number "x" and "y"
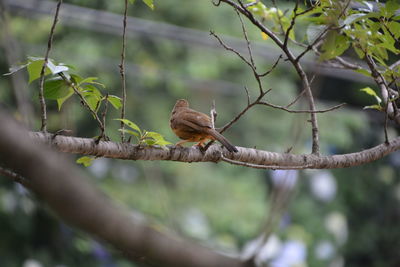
{"x": 69, "y": 194}
{"x": 215, "y": 153}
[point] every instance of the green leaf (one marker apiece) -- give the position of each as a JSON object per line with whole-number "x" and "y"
{"x": 359, "y": 52}
{"x": 377, "y": 107}
{"x": 93, "y": 102}
{"x": 91, "y": 80}
{"x": 130, "y": 124}
{"x": 149, "y": 3}
{"x": 55, "y": 89}
{"x": 132, "y": 1}
{"x": 34, "y": 69}
{"x": 390, "y": 7}
{"x": 88, "y": 89}
{"x": 85, "y": 160}
{"x": 334, "y": 45}
{"x": 371, "y": 92}
{"x": 115, "y": 101}
{"x": 158, "y": 139}
{"x": 35, "y": 65}
{"x": 60, "y": 101}
{"x": 394, "y": 28}
{"x": 364, "y": 72}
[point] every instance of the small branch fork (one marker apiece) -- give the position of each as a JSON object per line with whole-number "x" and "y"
{"x": 122, "y": 71}
{"x": 43, "y": 70}
{"x": 283, "y": 45}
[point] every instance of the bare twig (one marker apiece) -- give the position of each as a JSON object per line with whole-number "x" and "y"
{"x": 296, "y": 99}
{"x": 15, "y": 177}
{"x": 299, "y": 69}
{"x": 42, "y": 71}
{"x": 122, "y": 72}
{"x": 272, "y": 68}
{"x": 103, "y": 117}
{"x": 300, "y": 111}
{"x": 249, "y": 105}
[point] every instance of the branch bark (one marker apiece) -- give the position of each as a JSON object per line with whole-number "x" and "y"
{"x": 215, "y": 153}
{"x": 77, "y": 202}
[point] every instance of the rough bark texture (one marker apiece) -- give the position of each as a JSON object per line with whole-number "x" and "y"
{"x": 87, "y": 146}
{"x": 76, "y": 201}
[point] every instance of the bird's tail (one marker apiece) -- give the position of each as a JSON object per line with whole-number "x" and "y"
{"x": 223, "y": 141}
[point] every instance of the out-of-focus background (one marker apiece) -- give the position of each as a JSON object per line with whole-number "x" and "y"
{"x": 344, "y": 217}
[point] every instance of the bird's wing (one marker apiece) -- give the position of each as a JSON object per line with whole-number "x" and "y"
{"x": 197, "y": 118}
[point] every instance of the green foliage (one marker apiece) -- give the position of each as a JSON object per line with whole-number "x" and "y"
{"x": 143, "y": 136}
{"x": 277, "y": 19}
{"x": 149, "y": 3}
{"x": 371, "y": 92}
{"x": 85, "y": 160}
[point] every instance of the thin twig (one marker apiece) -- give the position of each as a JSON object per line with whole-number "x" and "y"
{"x": 272, "y": 68}
{"x": 292, "y": 22}
{"x": 42, "y": 71}
{"x": 249, "y": 105}
{"x": 84, "y": 101}
{"x": 299, "y": 69}
{"x": 103, "y": 116}
{"x": 15, "y": 177}
{"x": 247, "y": 40}
{"x": 231, "y": 49}
{"x": 122, "y": 72}
{"x": 300, "y": 111}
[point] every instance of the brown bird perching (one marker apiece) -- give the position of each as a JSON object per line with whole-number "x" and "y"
{"x": 193, "y": 126}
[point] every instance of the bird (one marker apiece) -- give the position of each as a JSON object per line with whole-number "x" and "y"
{"x": 194, "y": 126}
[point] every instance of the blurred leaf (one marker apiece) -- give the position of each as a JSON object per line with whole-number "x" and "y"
{"x": 34, "y": 68}
{"x": 390, "y": 8}
{"x": 115, "y": 101}
{"x": 149, "y": 3}
{"x": 60, "y": 101}
{"x": 130, "y": 124}
{"x": 364, "y": 72}
{"x": 56, "y": 88}
{"x": 89, "y": 89}
{"x": 132, "y": 1}
{"x": 85, "y": 160}
{"x": 93, "y": 101}
{"x": 35, "y": 65}
{"x": 334, "y": 45}
{"x": 91, "y": 80}
{"x": 394, "y": 28}
{"x": 377, "y": 107}
{"x": 158, "y": 139}
{"x": 264, "y": 36}
{"x": 371, "y": 92}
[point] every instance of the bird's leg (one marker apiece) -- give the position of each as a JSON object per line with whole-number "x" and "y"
{"x": 181, "y": 142}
